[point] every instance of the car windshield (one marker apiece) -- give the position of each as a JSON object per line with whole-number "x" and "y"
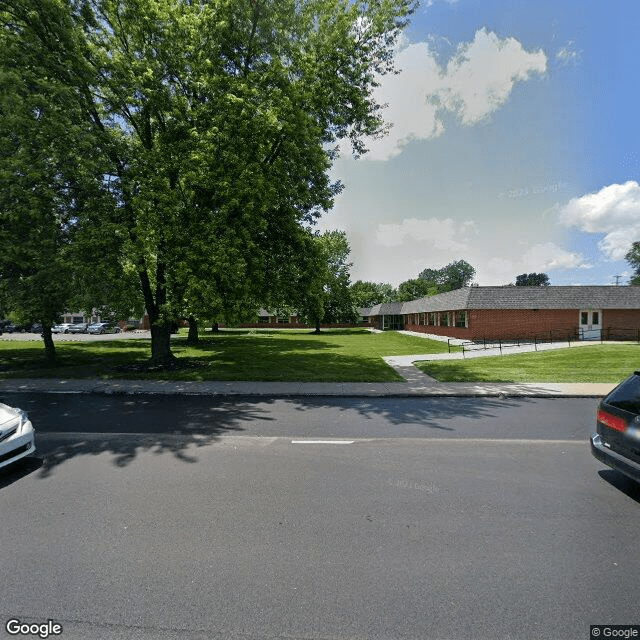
{"x": 627, "y": 395}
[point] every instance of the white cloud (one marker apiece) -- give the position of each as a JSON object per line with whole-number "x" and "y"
{"x": 569, "y": 54}
{"x": 430, "y": 3}
{"x": 442, "y": 235}
{"x": 549, "y": 256}
{"x": 482, "y": 74}
{"x": 613, "y": 211}
{"x": 476, "y": 81}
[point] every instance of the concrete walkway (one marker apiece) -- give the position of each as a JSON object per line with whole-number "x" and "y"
{"x": 423, "y": 384}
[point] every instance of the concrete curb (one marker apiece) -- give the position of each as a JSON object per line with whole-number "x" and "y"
{"x": 410, "y": 389}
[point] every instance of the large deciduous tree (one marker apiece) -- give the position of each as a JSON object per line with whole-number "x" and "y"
{"x": 218, "y": 120}
{"x": 51, "y": 178}
{"x": 367, "y": 294}
{"x": 414, "y": 289}
{"x": 323, "y": 289}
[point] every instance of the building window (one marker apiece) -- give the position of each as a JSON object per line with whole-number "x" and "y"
{"x": 263, "y": 319}
{"x": 461, "y": 319}
{"x": 283, "y": 320}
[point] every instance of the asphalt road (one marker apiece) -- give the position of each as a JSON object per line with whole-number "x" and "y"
{"x": 166, "y": 517}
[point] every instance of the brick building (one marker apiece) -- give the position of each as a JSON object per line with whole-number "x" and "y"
{"x": 272, "y": 320}
{"x": 475, "y": 313}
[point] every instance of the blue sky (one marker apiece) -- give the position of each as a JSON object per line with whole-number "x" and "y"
{"x": 514, "y": 146}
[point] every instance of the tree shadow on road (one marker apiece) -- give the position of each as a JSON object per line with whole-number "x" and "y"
{"x": 428, "y": 413}
{"x": 68, "y": 426}
{"x": 127, "y": 426}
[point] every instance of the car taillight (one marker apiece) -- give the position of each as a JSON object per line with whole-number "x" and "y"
{"x": 613, "y": 422}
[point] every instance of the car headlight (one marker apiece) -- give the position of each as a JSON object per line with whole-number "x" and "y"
{"x": 25, "y": 423}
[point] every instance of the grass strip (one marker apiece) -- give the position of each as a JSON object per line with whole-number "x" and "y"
{"x": 595, "y": 363}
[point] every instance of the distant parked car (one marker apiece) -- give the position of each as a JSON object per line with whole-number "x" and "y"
{"x": 17, "y": 439}
{"x": 78, "y": 327}
{"x": 103, "y": 327}
{"x": 36, "y": 328}
{"x": 12, "y": 327}
{"x": 61, "y": 328}
{"x": 617, "y": 441}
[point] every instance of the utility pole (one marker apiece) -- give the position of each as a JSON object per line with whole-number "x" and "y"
{"x": 617, "y": 280}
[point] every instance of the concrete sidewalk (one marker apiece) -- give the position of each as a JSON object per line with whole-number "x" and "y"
{"x": 415, "y": 386}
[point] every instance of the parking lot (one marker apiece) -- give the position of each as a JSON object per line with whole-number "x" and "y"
{"x": 77, "y": 337}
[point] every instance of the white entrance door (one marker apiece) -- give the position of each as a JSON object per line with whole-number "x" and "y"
{"x": 590, "y": 324}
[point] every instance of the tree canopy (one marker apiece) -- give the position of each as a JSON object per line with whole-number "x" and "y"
{"x": 532, "y": 280}
{"x": 414, "y": 289}
{"x": 633, "y": 258}
{"x": 324, "y": 293}
{"x": 368, "y": 294}
{"x": 454, "y": 275}
{"x": 214, "y": 125}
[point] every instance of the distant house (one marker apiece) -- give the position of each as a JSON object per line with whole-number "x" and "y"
{"x": 584, "y": 312}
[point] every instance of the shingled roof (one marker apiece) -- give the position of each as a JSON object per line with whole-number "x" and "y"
{"x": 387, "y": 309}
{"x": 569, "y": 297}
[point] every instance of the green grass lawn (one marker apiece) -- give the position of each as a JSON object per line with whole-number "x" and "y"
{"x": 595, "y": 363}
{"x": 350, "y": 355}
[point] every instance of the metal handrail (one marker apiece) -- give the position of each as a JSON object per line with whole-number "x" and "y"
{"x": 517, "y": 341}
{"x": 548, "y": 337}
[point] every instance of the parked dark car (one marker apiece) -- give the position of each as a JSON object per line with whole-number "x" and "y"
{"x": 36, "y": 328}
{"x": 12, "y": 327}
{"x": 617, "y": 440}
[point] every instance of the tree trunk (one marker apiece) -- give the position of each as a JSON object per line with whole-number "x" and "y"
{"x": 192, "y": 338}
{"x": 215, "y": 327}
{"x": 317, "y": 325}
{"x": 161, "y": 346}
{"x": 49, "y": 347}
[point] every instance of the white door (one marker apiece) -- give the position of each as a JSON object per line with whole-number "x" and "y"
{"x": 590, "y": 324}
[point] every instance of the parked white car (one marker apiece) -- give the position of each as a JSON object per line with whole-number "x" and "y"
{"x": 103, "y": 327}
{"x": 61, "y": 328}
{"x": 17, "y": 436}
